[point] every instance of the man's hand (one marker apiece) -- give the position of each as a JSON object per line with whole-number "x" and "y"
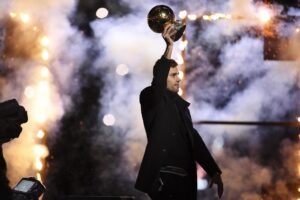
{"x": 216, "y": 179}
{"x": 168, "y": 33}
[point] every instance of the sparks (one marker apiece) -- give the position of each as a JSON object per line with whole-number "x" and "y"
{"x": 40, "y": 134}
{"x": 12, "y": 14}
{"x": 38, "y": 164}
{"x": 45, "y": 41}
{"x": 181, "y": 75}
{"x": 45, "y": 55}
{"x": 192, "y": 17}
{"x": 25, "y": 18}
{"x": 180, "y": 92}
{"x": 183, "y": 45}
{"x": 264, "y": 15}
{"x": 179, "y": 59}
{"x": 44, "y": 72}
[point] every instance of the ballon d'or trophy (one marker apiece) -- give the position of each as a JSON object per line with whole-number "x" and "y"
{"x": 161, "y": 15}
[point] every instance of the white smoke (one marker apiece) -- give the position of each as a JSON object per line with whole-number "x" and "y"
{"x": 128, "y": 40}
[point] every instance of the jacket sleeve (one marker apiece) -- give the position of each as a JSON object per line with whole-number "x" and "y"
{"x": 203, "y": 156}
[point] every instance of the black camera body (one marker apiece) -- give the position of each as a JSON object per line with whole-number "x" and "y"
{"x": 12, "y": 115}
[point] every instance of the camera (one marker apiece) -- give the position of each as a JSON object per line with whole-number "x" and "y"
{"x": 12, "y": 115}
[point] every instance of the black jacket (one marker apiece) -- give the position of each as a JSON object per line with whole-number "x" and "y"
{"x": 158, "y": 109}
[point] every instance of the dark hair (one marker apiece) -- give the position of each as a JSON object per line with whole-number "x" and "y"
{"x": 170, "y": 62}
{"x": 173, "y": 63}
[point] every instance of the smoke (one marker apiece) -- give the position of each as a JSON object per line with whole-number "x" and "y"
{"x": 42, "y": 85}
{"x": 227, "y": 77}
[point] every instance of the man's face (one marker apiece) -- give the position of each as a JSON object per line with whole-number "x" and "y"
{"x": 173, "y": 79}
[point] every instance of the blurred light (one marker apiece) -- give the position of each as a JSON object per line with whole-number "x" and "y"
{"x": 192, "y": 17}
{"x": 43, "y": 87}
{"x": 181, "y": 74}
{"x": 122, "y": 70}
{"x": 202, "y": 184}
{"x": 34, "y": 28}
{"x": 218, "y": 143}
{"x": 180, "y": 92}
{"x": 41, "y": 151}
{"x": 45, "y": 41}
{"x": 24, "y": 17}
{"x": 45, "y": 55}
{"x": 182, "y": 45}
{"x": 297, "y": 30}
{"x": 206, "y": 17}
{"x": 183, "y": 14}
{"x": 264, "y": 15}
{"x": 179, "y": 59}
{"x": 12, "y": 14}
{"x": 214, "y": 17}
{"x": 102, "y": 13}
{"x": 40, "y": 134}
{"x": 29, "y": 92}
{"x": 298, "y": 119}
{"x": 41, "y": 118}
{"x": 39, "y": 177}
{"x": 299, "y": 189}
{"x": 45, "y": 72}
{"x": 109, "y": 120}
{"x": 38, "y": 164}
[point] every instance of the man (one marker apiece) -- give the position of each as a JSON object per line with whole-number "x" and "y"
{"x": 168, "y": 170}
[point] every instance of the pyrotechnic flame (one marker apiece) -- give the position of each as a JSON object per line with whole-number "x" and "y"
{"x": 25, "y": 18}
{"x": 29, "y": 92}
{"x": 39, "y": 177}
{"x": 179, "y": 59}
{"x": 180, "y": 92}
{"x": 45, "y": 41}
{"x": 264, "y": 15}
{"x": 41, "y": 118}
{"x": 40, "y": 134}
{"x": 216, "y": 16}
{"x": 41, "y": 151}
{"x": 192, "y": 17}
{"x": 43, "y": 87}
{"x": 38, "y": 164}
{"x": 45, "y": 55}
{"x": 44, "y": 72}
{"x": 12, "y": 14}
{"x": 183, "y": 45}
{"x": 181, "y": 75}
{"x": 182, "y": 14}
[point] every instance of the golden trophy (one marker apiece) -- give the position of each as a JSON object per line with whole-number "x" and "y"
{"x": 161, "y": 15}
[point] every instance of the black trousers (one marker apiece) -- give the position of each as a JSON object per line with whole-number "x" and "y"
{"x": 173, "y": 187}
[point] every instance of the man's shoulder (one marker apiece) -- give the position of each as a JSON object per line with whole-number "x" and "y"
{"x": 146, "y": 93}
